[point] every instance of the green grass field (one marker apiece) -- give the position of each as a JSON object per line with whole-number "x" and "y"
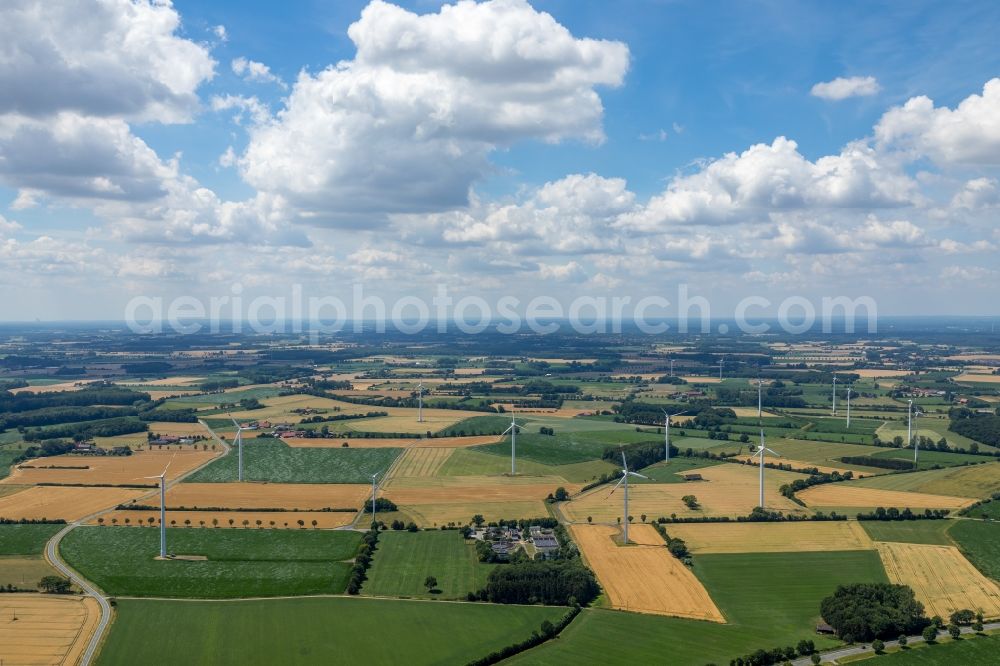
{"x": 980, "y": 541}
{"x": 277, "y": 462}
{"x": 663, "y": 472}
{"x": 477, "y": 425}
{"x": 476, "y": 461}
{"x": 933, "y": 532}
{"x": 405, "y": 559}
{"x": 565, "y": 448}
{"x": 241, "y": 563}
{"x": 22, "y": 540}
{"x": 769, "y": 600}
{"x": 988, "y": 509}
{"x": 314, "y": 631}
{"x": 927, "y": 459}
{"x": 978, "y": 651}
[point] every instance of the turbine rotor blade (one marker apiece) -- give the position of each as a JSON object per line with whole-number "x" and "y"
{"x": 641, "y": 476}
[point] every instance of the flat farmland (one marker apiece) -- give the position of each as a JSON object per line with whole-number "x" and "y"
{"x": 110, "y": 469}
{"x": 767, "y": 599}
{"x": 306, "y": 497}
{"x": 969, "y": 377}
{"x": 68, "y": 503}
{"x": 322, "y": 630}
{"x": 433, "y": 490}
{"x": 281, "y": 408}
{"x": 772, "y": 537}
{"x": 404, "y": 419}
{"x": 273, "y": 461}
{"x": 404, "y": 560}
{"x": 25, "y": 539}
{"x": 803, "y": 464}
{"x": 391, "y": 442}
{"x": 421, "y": 462}
{"x": 727, "y": 490}
{"x": 238, "y": 563}
{"x": 933, "y": 532}
{"x": 178, "y": 429}
{"x": 843, "y": 495}
{"x": 644, "y": 578}
{"x": 461, "y": 513}
{"x": 49, "y": 629}
{"x": 24, "y": 572}
{"x": 979, "y": 540}
{"x": 268, "y": 519}
{"x": 942, "y": 579}
{"x": 978, "y": 481}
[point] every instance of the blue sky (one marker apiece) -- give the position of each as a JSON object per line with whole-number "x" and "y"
{"x": 403, "y": 194}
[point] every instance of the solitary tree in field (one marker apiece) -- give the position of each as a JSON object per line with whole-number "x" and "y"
{"x": 590, "y": 519}
{"x": 954, "y": 630}
{"x": 259, "y": 523}
{"x": 878, "y": 646}
{"x": 150, "y": 521}
{"x": 246, "y": 523}
{"x": 272, "y": 523}
{"x": 187, "y": 522}
{"x": 231, "y": 522}
{"x": 301, "y": 522}
{"x": 114, "y": 521}
{"x": 314, "y": 523}
{"x": 478, "y": 520}
{"x": 430, "y": 583}
{"x": 642, "y": 517}
{"x": 215, "y": 522}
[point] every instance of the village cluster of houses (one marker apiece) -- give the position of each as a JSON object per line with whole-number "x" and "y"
{"x": 91, "y": 449}
{"x": 276, "y": 429}
{"x": 504, "y": 541}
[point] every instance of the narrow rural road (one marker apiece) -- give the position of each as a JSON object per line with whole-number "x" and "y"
{"x": 866, "y": 648}
{"x": 52, "y": 555}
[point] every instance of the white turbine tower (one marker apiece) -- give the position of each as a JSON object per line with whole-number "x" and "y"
{"x": 163, "y": 512}
{"x": 848, "y": 407}
{"x": 239, "y": 448}
{"x": 666, "y": 430}
{"x": 420, "y": 402}
{"x": 671, "y": 367}
{"x": 761, "y": 452}
{"x": 512, "y": 429}
{"x": 720, "y": 369}
{"x": 624, "y": 480}
{"x": 909, "y": 433}
{"x": 760, "y": 400}
{"x": 909, "y": 427}
{"x": 835, "y": 395}
{"x": 374, "y": 476}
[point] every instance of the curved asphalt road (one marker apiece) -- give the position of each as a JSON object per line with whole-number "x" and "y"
{"x": 52, "y": 555}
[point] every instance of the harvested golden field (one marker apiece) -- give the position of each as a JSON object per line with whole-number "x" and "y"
{"x": 461, "y": 513}
{"x": 566, "y": 412}
{"x": 985, "y": 379}
{"x": 49, "y": 629}
{"x": 691, "y": 379}
{"x": 727, "y": 490}
{"x": 392, "y": 442}
{"x": 166, "y": 381}
{"x": 402, "y": 419}
{"x": 64, "y": 386}
{"x": 407, "y": 491}
{"x": 772, "y": 537}
{"x": 876, "y": 373}
{"x": 802, "y": 464}
{"x": 282, "y": 519}
{"x": 110, "y": 469}
{"x": 979, "y": 481}
{"x": 420, "y": 462}
{"x": 303, "y": 496}
{"x": 751, "y": 412}
{"x": 839, "y": 494}
{"x": 68, "y": 503}
{"x": 10, "y": 489}
{"x": 178, "y": 429}
{"x": 943, "y": 580}
{"x": 643, "y": 578}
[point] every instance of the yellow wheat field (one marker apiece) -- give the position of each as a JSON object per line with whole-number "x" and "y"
{"x": 69, "y": 503}
{"x": 303, "y": 496}
{"x": 772, "y": 537}
{"x": 407, "y": 490}
{"x": 841, "y": 495}
{"x": 110, "y": 469}
{"x": 802, "y": 464}
{"x": 727, "y": 490}
{"x": 942, "y": 579}
{"x": 644, "y": 578}
{"x": 461, "y": 513}
{"x": 969, "y": 377}
{"x": 281, "y": 519}
{"x": 48, "y": 630}
{"x": 421, "y": 462}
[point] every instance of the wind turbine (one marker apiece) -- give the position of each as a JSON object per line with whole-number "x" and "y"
{"x": 848, "y": 407}
{"x": 835, "y": 395}
{"x": 760, "y": 401}
{"x": 512, "y": 429}
{"x": 761, "y": 453}
{"x": 666, "y": 429}
{"x": 420, "y": 402}
{"x": 720, "y": 369}
{"x": 671, "y": 367}
{"x": 909, "y": 434}
{"x": 625, "y": 474}
{"x": 239, "y": 447}
{"x": 163, "y": 514}
{"x": 374, "y": 476}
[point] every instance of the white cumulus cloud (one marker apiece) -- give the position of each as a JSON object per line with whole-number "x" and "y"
{"x": 842, "y": 88}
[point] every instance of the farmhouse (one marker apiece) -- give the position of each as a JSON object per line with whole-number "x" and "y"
{"x": 694, "y": 476}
